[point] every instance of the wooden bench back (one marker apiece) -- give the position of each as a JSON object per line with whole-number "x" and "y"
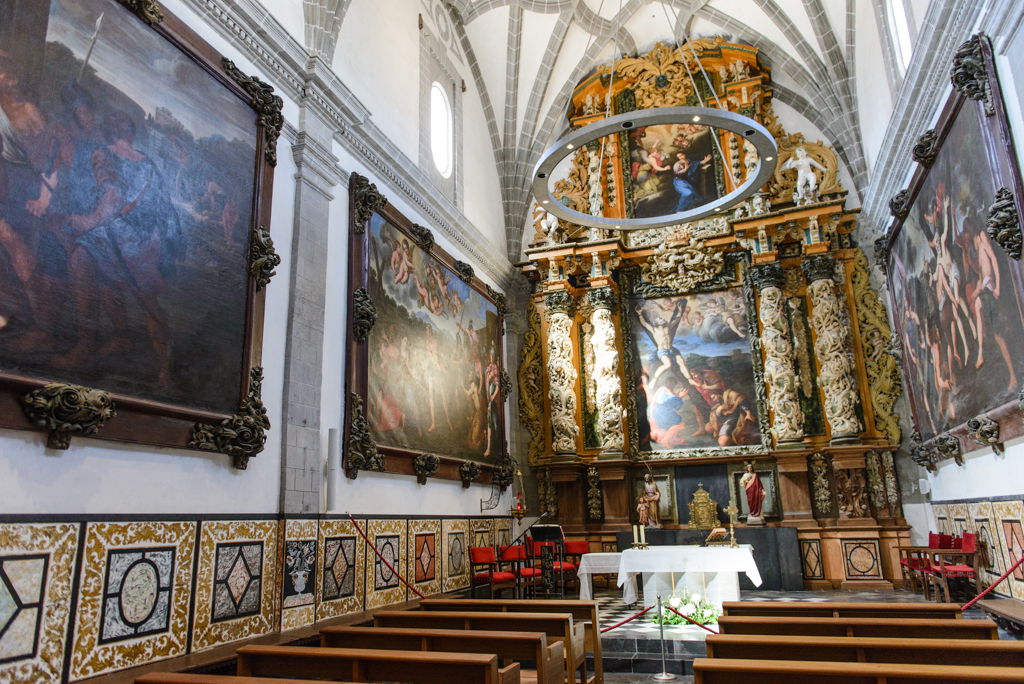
{"x": 727, "y": 671}
{"x": 842, "y": 609}
{"x": 897, "y": 628}
{"x": 508, "y": 646}
{"x": 190, "y": 678}
{"x": 362, "y": 665}
{"x": 979, "y": 652}
{"x": 581, "y": 611}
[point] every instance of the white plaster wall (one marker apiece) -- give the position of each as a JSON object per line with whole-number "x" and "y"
{"x": 95, "y": 476}
{"x": 874, "y": 100}
{"x": 288, "y": 13}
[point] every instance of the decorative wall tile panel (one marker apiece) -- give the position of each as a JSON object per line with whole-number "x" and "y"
{"x": 1011, "y": 536}
{"x": 957, "y": 515}
{"x": 861, "y": 559}
{"x": 382, "y": 584}
{"x": 299, "y": 576}
{"x": 455, "y": 554}
{"x": 237, "y": 585}
{"x": 134, "y": 591}
{"x": 483, "y": 532}
{"x": 503, "y": 532}
{"x": 341, "y": 555}
{"x": 424, "y": 567}
{"x": 810, "y": 556}
{"x": 993, "y": 564}
{"x": 36, "y": 572}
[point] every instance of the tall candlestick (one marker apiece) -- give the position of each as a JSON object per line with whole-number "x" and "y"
{"x": 643, "y": 536}
{"x": 636, "y": 535}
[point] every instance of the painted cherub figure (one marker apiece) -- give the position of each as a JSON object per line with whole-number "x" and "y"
{"x": 806, "y": 180}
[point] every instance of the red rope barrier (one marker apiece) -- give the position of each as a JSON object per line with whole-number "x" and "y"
{"x": 631, "y": 617}
{"x": 691, "y": 621}
{"x": 382, "y": 559}
{"x": 993, "y": 585}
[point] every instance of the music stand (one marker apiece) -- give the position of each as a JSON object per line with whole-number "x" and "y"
{"x": 554, "y": 534}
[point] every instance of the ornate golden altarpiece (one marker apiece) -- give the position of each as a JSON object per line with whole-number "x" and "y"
{"x": 825, "y": 379}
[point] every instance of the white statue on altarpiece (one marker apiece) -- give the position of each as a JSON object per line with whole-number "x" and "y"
{"x": 806, "y": 180}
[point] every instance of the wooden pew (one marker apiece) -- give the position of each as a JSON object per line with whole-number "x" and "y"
{"x": 557, "y": 626}
{"x": 894, "y": 628}
{"x": 980, "y": 652}
{"x": 729, "y": 671}
{"x": 508, "y": 646}
{"x": 940, "y": 611}
{"x": 362, "y": 665}
{"x": 582, "y": 611}
{"x": 190, "y": 678}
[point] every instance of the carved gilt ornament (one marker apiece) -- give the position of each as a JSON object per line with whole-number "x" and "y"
{"x": 263, "y": 258}
{"x": 66, "y": 410}
{"x": 242, "y": 435}
{"x": 681, "y": 263}
{"x": 468, "y": 471}
{"x": 1003, "y": 223}
{"x": 268, "y": 108}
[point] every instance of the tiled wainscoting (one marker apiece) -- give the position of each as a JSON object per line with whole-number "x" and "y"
{"x": 79, "y": 598}
{"x": 997, "y": 522}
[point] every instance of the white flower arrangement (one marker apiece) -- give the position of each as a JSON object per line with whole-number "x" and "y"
{"x": 694, "y": 606}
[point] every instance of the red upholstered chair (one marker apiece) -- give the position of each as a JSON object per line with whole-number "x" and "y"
{"x": 486, "y": 570}
{"x": 574, "y": 550}
{"x": 956, "y": 563}
{"x": 916, "y": 561}
{"x": 525, "y": 573}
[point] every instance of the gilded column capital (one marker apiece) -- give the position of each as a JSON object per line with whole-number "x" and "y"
{"x": 819, "y": 267}
{"x": 560, "y": 301}
{"x": 600, "y": 298}
{"x": 766, "y": 275}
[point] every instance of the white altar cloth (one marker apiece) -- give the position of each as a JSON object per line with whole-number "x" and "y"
{"x": 596, "y": 564}
{"x": 711, "y": 571}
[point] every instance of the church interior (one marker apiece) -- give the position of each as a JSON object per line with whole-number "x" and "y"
{"x": 720, "y": 338}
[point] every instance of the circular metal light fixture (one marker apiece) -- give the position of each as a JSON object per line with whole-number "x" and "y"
{"x": 751, "y": 131}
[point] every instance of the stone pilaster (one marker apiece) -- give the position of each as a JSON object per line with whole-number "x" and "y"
{"x": 601, "y": 302}
{"x": 836, "y": 369}
{"x": 779, "y": 363}
{"x": 562, "y": 374}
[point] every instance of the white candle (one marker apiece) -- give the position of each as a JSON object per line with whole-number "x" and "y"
{"x": 643, "y": 536}
{"x": 636, "y": 536}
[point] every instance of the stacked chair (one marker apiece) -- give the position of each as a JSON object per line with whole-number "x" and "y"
{"x": 946, "y": 558}
{"x": 469, "y": 641}
{"x": 855, "y": 643}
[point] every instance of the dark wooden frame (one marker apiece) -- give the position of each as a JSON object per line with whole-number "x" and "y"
{"x": 364, "y": 201}
{"x": 995, "y": 127}
{"x": 143, "y": 421}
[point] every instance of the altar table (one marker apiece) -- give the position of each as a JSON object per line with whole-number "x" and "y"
{"x": 596, "y": 564}
{"x": 711, "y": 571}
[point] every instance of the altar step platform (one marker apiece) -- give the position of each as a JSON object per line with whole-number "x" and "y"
{"x": 634, "y": 648}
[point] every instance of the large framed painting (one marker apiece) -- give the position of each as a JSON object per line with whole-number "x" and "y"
{"x": 672, "y": 168}
{"x": 696, "y": 373}
{"x": 135, "y": 178}
{"x": 426, "y": 386}
{"x": 954, "y": 268}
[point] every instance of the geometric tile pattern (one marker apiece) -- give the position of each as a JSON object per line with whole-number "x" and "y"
{"x": 137, "y": 593}
{"x": 454, "y": 554}
{"x": 237, "y": 587}
{"x": 861, "y": 559}
{"x": 810, "y": 555}
{"x": 341, "y": 557}
{"x": 236, "y": 584}
{"x": 22, "y": 579}
{"x": 483, "y": 532}
{"x": 503, "y": 532}
{"x": 298, "y": 581}
{"x": 1010, "y": 516}
{"x": 383, "y": 587}
{"x": 134, "y": 594}
{"x": 993, "y": 563}
{"x": 424, "y": 566}
{"x": 37, "y": 569}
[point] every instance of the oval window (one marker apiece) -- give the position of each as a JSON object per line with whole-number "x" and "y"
{"x": 441, "y": 126}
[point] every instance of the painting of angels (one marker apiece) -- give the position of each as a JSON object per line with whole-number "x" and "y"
{"x": 433, "y": 355}
{"x": 672, "y": 168}
{"x": 696, "y": 376}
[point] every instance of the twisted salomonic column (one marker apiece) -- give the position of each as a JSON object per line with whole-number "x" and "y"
{"x": 779, "y": 364}
{"x": 836, "y": 371}
{"x": 561, "y": 372}
{"x": 606, "y": 369}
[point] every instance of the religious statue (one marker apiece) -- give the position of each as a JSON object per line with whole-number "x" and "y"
{"x": 806, "y": 181}
{"x": 548, "y": 224}
{"x": 647, "y": 505}
{"x": 756, "y": 494}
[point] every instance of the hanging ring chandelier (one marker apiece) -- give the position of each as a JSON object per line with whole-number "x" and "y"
{"x": 751, "y": 131}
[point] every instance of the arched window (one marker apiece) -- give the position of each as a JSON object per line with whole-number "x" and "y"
{"x": 442, "y": 125}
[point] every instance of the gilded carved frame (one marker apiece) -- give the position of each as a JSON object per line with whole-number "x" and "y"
{"x": 976, "y": 93}
{"x": 65, "y": 410}
{"x": 734, "y": 273}
{"x": 361, "y": 451}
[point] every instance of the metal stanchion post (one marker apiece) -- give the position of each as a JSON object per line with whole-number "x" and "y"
{"x": 664, "y": 675}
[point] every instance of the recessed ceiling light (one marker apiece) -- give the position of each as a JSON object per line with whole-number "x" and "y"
{"x": 769, "y": 158}
{"x": 569, "y": 146}
{"x": 696, "y": 118}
